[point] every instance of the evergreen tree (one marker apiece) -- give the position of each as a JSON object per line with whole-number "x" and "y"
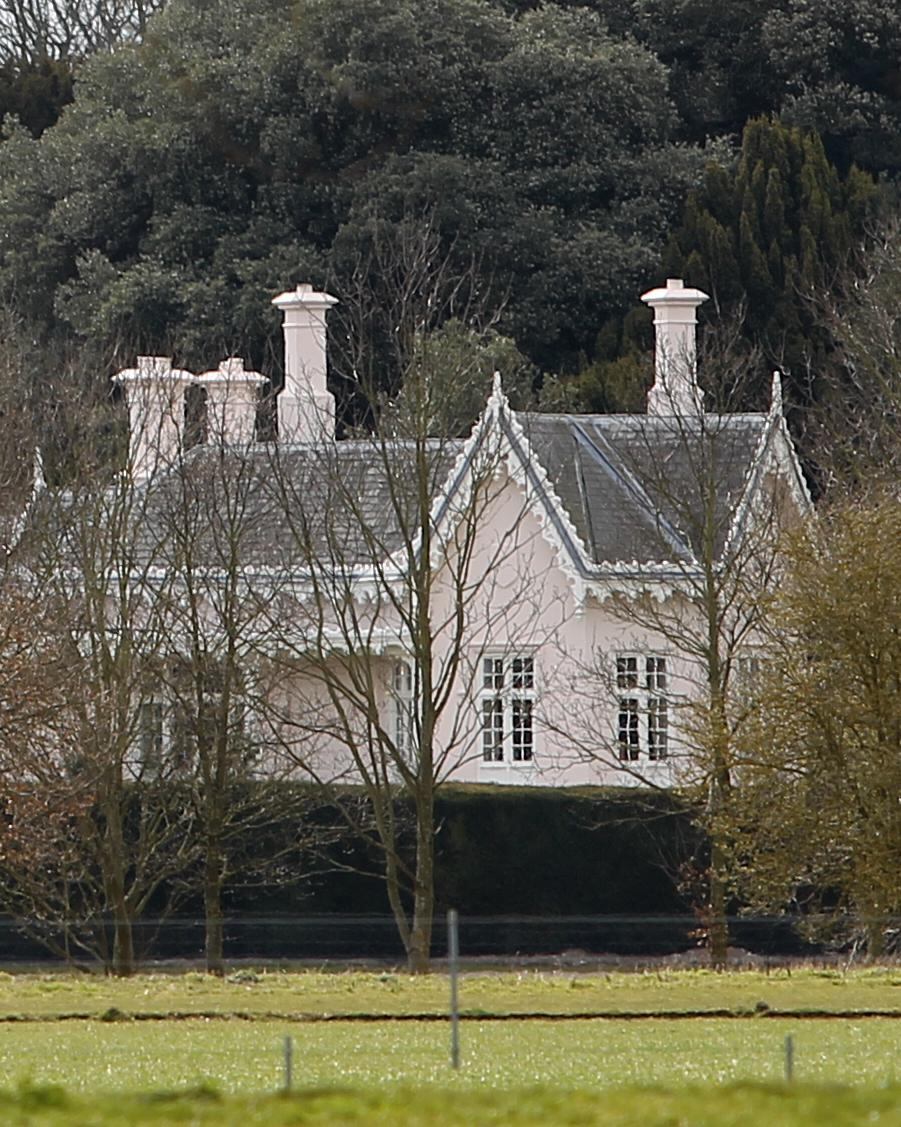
{"x": 36, "y": 92}
{"x": 769, "y": 235}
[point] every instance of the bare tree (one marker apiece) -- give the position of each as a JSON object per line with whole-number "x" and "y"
{"x": 214, "y": 522}
{"x": 709, "y": 493}
{"x": 34, "y": 30}
{"x": 858, "y": 427}
{"x": 122, "y": 833}
{"x": 409, "y": 571}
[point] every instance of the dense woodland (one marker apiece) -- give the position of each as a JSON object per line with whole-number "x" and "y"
{"x": 164, "y": 174}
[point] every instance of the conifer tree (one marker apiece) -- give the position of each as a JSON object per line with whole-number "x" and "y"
{"x": 767, "y": 236}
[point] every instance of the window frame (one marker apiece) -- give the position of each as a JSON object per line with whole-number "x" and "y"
{"x": 507, "y": 691}
{"x": 402, "y": 697}
{"x": 643, "y": 729}
{"x": 151, "y": 737}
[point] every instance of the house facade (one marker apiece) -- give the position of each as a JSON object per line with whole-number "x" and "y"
{"x": 551, "y": 600}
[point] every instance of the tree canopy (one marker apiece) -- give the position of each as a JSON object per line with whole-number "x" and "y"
{"x": 815, "y": 823}
{"x": 216, "y": 152}
{"x": 235, "y": 148}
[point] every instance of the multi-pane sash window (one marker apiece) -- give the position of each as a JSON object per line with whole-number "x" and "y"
{"x": 642, "y": 707}
{"x": 658, "y": 721}
{"x": 629, "y": 738}
{"x": 402, "y": 706}
{"x": 150, "y": 737}
{"x": 493, "y": 730}
{"x": 507, "y": 709}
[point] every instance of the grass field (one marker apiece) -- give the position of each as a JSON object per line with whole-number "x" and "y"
{"x": 727, "y": 1106}
{"x": 220, "y": 1044}
{"x": 389, "y": 994}
{"x": 246, "y": 1057}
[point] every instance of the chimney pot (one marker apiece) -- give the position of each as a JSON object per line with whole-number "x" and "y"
{"x": 232, "y": 395}
{"x": 155, "y": 394}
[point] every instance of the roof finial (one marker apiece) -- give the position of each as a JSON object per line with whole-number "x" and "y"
{"x": 497, "y": 389}
{"x": 38, "y": 481}
{"x": 776, "y": 395}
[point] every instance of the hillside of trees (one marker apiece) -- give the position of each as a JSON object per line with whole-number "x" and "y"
{"x": 163, "y": 174}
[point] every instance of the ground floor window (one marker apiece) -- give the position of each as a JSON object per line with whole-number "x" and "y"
{"x": 150, "y": 736}
{"x": 402, "y": 707}
{"x": 506, "y": 702}
{"x": 642, "y": 729}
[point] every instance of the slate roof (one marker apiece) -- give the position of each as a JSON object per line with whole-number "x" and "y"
{"x": 629, "y": 485}
{"x": 349, "y": 502}
{"x": 634, "y": 485}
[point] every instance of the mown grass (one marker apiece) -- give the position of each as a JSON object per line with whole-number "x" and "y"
{"x": 389, "y": 994}
{"x": 728, "y": 1106}
{"x": 246, "y": 1057}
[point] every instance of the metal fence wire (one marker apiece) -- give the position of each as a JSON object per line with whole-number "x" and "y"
{"x": 600, "y": 940}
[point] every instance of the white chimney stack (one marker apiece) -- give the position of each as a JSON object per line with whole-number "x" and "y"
{"x": 306, "y": 408}
{"x": 155, "y": 393}
{"x": 232, "y": 396}
{"x": 675, "y": 390}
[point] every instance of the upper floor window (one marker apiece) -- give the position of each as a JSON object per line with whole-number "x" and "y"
{"x": 642, "y": 707}
{"x": 750, "y": 668}
{"x": 507, "y": 700}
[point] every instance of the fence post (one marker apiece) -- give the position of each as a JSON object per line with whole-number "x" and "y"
{"x": 789, "y": 1058}
{"x": 453, "y": 959}
{"x": 289, "y": 1061}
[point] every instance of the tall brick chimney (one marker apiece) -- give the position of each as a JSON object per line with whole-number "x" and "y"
{"x": 155, "y": 394}
{"x": 675, "y": 390}
{"x": 306, "y": 408}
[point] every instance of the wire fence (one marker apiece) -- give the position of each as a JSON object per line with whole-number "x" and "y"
{"x": 569, "y": 941}
{"x": 260, "y": 1033}
{"x": 267, "y": 1056}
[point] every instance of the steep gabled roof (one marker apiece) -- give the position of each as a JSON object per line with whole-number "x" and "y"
{"x": 611, "y": 491}
{"x": 634, "y": 486}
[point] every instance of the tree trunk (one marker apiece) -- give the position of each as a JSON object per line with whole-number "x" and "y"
{"x": 123, "y": 944}
{"x": 718, "y": 926}
{"x": 123, "y": 960}
{"x": 212, "y": 907}
{"x": 718, "y": 933}
{"x": 874, "y": 925}
{"x": 420, "y": 945}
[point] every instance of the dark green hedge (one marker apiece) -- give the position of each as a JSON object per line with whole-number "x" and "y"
{"x": 529, "y": 870}
{"x": 546, "y": 851}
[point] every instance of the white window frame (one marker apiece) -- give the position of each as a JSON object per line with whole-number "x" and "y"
{"x": 506, "y": 710}
{"x": 643, "y": 731}
{"x": 151, "y": 738}
{"x": 401, "y": 694}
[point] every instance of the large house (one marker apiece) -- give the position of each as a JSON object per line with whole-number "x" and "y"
{"x": 540, "y": 602}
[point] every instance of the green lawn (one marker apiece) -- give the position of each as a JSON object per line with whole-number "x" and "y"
{"x": 343, "y": 993}
{"x": 728, "y": 1106}
{"x": 241, "y": 1056}
{"x": 658, "y": 1071}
